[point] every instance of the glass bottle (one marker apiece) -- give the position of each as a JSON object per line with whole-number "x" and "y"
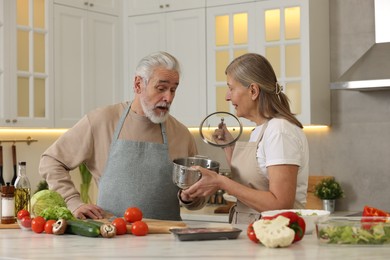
{"x": 22, "y": 189}
{"x": 7, "y": 204}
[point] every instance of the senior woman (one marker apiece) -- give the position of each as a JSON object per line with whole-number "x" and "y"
{"x": 270, "y": 171}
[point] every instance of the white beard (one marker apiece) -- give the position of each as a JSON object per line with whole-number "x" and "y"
{"x": 149, "y": 112}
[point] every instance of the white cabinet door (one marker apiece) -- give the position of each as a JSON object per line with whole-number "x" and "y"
{"x": 186, "y": 40}
{"x": 182, "y": 34}
{"x": 87, "y": 64}
{"x": 103, "y": 6}
{"x": 139, "y": 7}
{"x": 3, "y": 108}
{"x": 104, "y": 49}
{"x": 71, "y": 71}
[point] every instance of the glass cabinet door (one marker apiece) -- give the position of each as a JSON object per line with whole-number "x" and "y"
{"x": 31, "y": 53}
{"x": 282, "y": 47}
{"x": 229, "y": 36}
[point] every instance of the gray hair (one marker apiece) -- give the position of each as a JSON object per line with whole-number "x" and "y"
{"x": 148, "y": 64}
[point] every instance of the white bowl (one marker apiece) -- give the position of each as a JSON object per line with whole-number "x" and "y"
{"x": 311, "y": 216}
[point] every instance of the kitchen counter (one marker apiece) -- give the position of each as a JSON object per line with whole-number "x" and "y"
{"x": 18, "y": 244}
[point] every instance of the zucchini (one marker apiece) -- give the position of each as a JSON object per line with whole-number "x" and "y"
{"x": 82, "y": 228}
{"x": 96, "y": 223}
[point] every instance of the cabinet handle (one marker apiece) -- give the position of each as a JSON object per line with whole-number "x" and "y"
{"x": 14, "y": 121}
{"x": 85, "y": 3}
{"x": 161, "y": 6}
{"x": 91, "y": 4}
{"x": 167, "y": 5}
{"x": 8, "y": 121}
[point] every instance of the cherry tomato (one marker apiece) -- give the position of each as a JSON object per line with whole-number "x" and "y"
{"x": 139, "y": 228}
{"x": 26, "y": 221}
{"x": 251, "y": 233}
{"x": 38, "y": 224}
{"x": 133, "y": 214}
{"x": 49, "y": 226}
{"x": 120, "y": 225}
{"x": 23, "y": 213}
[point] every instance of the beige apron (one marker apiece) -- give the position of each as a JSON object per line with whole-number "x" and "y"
{"x": 248, "y": 174}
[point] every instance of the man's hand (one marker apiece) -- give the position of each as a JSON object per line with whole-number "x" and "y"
{"x": 89, "y": 211}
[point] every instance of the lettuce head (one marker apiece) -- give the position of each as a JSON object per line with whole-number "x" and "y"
{"x": 45, "y": 199}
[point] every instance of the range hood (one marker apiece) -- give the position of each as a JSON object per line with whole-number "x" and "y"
{"x": 372, "y": 70}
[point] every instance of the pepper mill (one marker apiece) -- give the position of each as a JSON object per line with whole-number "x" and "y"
{"x": 7, "y": 204}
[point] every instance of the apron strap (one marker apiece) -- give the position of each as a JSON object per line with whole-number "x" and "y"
{"x": 120, "y": 123}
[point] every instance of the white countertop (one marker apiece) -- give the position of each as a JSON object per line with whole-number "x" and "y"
{"x": 18, "y": 244}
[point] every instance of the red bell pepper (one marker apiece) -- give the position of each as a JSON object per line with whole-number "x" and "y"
{"x": 297, "y": 223}
{"x": 371, "y": 214}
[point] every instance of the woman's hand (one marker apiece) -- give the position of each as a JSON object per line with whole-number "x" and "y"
{"x": 89, "y": 211}
{"x": 222, "y": 135}
{"x": 206, "y": 186}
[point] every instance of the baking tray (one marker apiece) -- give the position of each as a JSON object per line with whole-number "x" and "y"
{"x": 191, "y": 234}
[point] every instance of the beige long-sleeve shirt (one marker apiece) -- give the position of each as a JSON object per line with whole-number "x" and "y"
{"x": 89, "y": 142}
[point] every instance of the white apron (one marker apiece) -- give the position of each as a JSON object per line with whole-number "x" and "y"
{"x": 139, "y": 174}
{"x": 249, "y": 174}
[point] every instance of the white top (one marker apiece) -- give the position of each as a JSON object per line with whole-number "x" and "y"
{"x": 284, "y": 143}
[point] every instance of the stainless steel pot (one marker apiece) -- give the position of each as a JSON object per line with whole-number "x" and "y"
{"x": 184, "y": 176}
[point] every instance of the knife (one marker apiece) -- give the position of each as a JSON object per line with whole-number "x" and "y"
{"x": 14, "y": 163}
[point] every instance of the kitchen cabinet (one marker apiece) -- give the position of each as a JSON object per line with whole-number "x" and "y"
{"x": 26, "y": 76}
{"x": 87, "y": 62}
{"x": 210, "y": 3}
{"x": 112, "y": 7}
{"x": 140, "y": 7}
{"x": 2, "y": 62}
{"x": 182, "y": 34}
{"x": 293, "y": 35}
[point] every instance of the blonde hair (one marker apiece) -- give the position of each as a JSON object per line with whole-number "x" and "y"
{"x": 254, "y": 68}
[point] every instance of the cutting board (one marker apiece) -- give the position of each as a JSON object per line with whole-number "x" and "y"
{"x": 160, "y": 226}
{"x": 9, "y": 226}
{"x": 155, "y": 226}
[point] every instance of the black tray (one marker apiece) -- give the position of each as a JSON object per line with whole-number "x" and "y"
{"x": 190, "y": 234}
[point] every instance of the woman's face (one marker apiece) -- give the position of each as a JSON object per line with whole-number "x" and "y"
{"x": 241, "y": 98}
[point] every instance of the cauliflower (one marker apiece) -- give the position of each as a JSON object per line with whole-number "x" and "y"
{"x": 274, "y": 232}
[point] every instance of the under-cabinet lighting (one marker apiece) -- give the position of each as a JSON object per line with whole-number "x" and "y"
{"x": 33, "y": 130}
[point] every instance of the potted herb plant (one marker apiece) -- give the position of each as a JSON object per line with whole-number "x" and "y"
{"x": 329, "y": 190}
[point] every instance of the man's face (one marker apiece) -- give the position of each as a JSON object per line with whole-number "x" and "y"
{"x": 157, "y": 97}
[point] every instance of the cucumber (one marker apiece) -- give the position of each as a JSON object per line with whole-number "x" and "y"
{"x": 82, "y": 228}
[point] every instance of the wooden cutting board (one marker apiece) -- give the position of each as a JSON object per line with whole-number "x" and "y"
{"x": 9, "y": 226}
{"x": 160, "y": 226}
{"x": 155, "y": 226}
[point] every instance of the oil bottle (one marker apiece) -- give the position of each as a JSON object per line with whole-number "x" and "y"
{"x": 22, "y": 189}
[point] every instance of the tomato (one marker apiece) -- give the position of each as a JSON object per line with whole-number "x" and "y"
{"x": 139, "y": 228}
{"x": 23, "y": 213}
{"x": 38, "y": 224}
{"x": 120, "y": 225}
{"x": 251, "y": 233}
{"x": 26, "y": 221}
{"x": 49, "y": 226}
{"x": 133, "y": 214}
